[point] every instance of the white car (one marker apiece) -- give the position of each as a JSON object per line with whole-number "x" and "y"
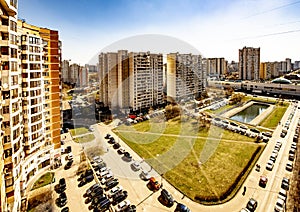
{"x": 279, "y": 206}
{"x": 114, "y": 190}
{"x": 289, "y": 166}
{"x": 282, "y": 194}
{"x": 70, "y": 156}
{"x": 122, "y": 205}
{"x": 270, "y": 165}
{"x": 136, "y": 166}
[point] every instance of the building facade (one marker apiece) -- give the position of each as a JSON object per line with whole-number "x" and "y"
{"x": 216, "y": 67}
{"x": 131, "y": 80}
{"x": 74, "y": 73}
{"x": 249, "y": 63}
{"x": 30, "y": 102}
{"x": 84, "y": 76}
{"x": 12, "y": 136}
{"x": 186, "y": 76}
{"x": 65, "y": 69}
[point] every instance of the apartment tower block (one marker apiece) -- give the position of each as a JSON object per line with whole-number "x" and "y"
{"x": 249, "y": 63}
{"x": 131, "y": 80}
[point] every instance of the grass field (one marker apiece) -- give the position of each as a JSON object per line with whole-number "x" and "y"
{"x": 274, "y": 117}
{"x": 84, "y": 138}
{"x": 203, "y": 163}
{"x": 79, "y": 131}
{"x": 43, "y": 180}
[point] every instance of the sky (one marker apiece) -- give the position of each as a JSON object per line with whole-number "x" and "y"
{"x": 215, "y": 28}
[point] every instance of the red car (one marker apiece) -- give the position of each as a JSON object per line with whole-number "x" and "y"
{"x": 263, "y": 181}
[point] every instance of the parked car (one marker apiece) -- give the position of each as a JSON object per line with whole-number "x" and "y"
{"x": 96, "y": 192}
{"x": 121, "y": 151}
{"x": 68, "y": 149}
{"x": 285, "y": 183}
{"x": 181, "y": 208}
{"x": 91, "y": 189}
{"x": 153, "y": 184}
{"x": 166, "y": 198}
{"x": 136, "y": 166}
{"x": 289, "y": 166}
{"x": 68, "y": 165}
{"x": 127, "y": 156}
{"x": 70, "y": 156}
{"x": 61, "y": 200}
{"x": 268, "y": 134}
{"x": 103, "y": 205}
{"x": 86, "y": 180}
{"x": 270, "y": 165}
{"x": 282, "y": 194}
{"x": 119, "y": 197}
{"x": 85, "y": 174}
{"x": 131, "y": 208}
{"x": 98, "y": 199}
{"x": 279, "y": 205}
{"x": 107, "y": 136}
{"x": 114, "y": 190}
{"x": 65, "y": 209}
{"x": 116, "y": 146}
{"x": 252, "y": 205}
{"x": 294, "y": 146}
{"x": 263, "y": 180}
{"x": 112, "y": 183}
{"x": 122, "y": 205}
{"x": 145, "y": 175}
{"x": 291, "y": 157}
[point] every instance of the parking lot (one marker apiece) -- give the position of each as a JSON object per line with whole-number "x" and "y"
{"x": 146, "y": 200}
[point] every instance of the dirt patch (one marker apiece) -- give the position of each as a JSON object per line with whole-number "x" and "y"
{"x": 41, "y": 202}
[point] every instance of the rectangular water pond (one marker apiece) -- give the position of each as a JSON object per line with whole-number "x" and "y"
{"x": 250, "y": 113}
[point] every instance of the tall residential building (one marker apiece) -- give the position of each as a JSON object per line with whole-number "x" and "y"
{"x": 53, "y": 86}
{"x": 296, "y": 65}
{"x": 65, "y": 69}
{"x": 12, "y": 127}
{"x": 216, "y": 67}
{"x": 249, "y": 63}
{"x": 74, "y": 73}
{"x": 84, "y": 76}
{"x": 131, "y": 80}
{"x": 30, "y": 93}
{"x": 186, "y": 76}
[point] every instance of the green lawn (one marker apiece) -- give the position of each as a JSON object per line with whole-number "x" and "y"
{"x": 222, "y": 153}
{"x": 79, "y": 131}
{"x": 274, "y": 117}
{"x": 43, "y": 180}
{"x": 85, "y": 138}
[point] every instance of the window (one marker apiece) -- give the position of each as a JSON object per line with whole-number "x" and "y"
{"x": 7, "y": 153}
{"x": 16, "y": 133}
{"x": 13, "y": 53}
{"x": 4, "y": 50}
{"x": 24, "y": 38}
{"x": 5, "y": 65}
{"x": 6, "y": 139}
{"x": 13, "y": 66}
{"x": 5, "y": 109}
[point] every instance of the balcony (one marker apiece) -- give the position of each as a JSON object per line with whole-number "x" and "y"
{"x": 4, "y": 42}
{"x": 4, "y": 28}
{"x": 9, "y": 189}
{"x": 8, "y": 160}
